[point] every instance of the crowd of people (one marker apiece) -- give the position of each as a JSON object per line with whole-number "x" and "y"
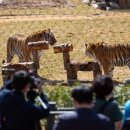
{"x": 18, "y": 110}
{"x": 95, "y": 106}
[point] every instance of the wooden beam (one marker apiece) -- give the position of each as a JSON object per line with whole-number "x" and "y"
{"x": 39, "y": 45}
{"x": 66, "y": 47}
{"x": 72, "y": 69}
{"x": 81, "y": 66}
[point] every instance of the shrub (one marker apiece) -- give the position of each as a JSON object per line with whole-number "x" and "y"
{"x": 60, "y": 95}
{"x": 122, "y": 94}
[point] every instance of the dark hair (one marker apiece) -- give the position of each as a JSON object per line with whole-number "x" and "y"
{"x": 103, "y": 86}
{"x": 20, "y": 80}
{"x": 82, "y": 94}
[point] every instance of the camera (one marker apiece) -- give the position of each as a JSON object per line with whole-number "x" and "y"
{"x": 33, "y": 93}
{"x": 34, "y": 82}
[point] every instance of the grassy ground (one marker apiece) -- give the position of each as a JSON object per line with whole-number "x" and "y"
{"x": 110, "y": 27}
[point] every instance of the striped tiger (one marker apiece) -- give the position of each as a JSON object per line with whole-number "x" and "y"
{"x": 109, "y": 56}
{"x": 18, "y": 44}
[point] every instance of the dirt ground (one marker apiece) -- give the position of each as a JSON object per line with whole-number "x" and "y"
{"x": 30, "y": 3}
{"x": 61, "y": 17}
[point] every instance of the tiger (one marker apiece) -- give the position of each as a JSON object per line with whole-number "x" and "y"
{"x": 109, "y": 56}
{"x": 17, "y": 44}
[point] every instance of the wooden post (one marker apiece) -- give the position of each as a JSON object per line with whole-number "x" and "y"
{"x": 36, "y": 59}
{"x": 96, "y": 70}
{"x": 71, "y": 72}
{"x": 66, "y": 58}
{"x": 65, "y": 49}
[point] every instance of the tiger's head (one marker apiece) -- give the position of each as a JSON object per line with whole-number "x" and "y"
{"x": 89, "y": 49}
{"x": 95, "y": 50}
{"x": 49, "y": 36}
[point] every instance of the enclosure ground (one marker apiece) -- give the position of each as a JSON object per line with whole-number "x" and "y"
{"x": 62, "y": 17}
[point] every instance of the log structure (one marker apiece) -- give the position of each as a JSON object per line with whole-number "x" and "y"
{"x": 9, "y": 69}
{"x": 73, "y": 68}
{"x": 35, "y": 47}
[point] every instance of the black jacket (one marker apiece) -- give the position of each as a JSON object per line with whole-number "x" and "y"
{"x": 20, "y": 114}
{"x": 82, "y": 119}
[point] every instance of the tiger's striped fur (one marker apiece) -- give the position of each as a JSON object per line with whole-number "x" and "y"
{"x": 18, "y": 44}
{"x": 109, "y": 56}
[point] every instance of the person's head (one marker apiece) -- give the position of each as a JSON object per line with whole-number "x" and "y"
{"x": 102, "y": 86}
{"x": 21, "y": 80}
{"x": 82, "y": 95}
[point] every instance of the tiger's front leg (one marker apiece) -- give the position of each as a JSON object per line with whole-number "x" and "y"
{"x": 10, "y": 56}
{"x": 108, "y": 69}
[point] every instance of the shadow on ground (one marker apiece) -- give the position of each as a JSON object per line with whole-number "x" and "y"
{"x": 71, "y": 82}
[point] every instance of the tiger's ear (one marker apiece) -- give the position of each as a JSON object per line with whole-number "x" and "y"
{"x": 49, "y": 29}
{"x": 93, "y": 46}
{"x": 85, "y": 44}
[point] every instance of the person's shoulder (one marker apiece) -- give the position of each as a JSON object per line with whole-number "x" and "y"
{"x": 113, "y": 104}
{"x": 68, "y": 115}
{"x": 6, "y": 96}
{"x": 103, "y": 117}
{"x": 5, "y": 92}
{"x": 127, "y": 105}
{"x": 114, "y": 101}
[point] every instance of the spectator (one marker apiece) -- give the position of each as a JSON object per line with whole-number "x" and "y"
{"x": 16, "y": 112}
{"x": 126, "y": 116}
{"x": 83, "y": 118}
{"x": 105, "y": 103}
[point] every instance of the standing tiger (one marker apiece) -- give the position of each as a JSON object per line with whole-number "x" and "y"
{"x": 109, "y": 56}
{"x": 18, "y": 44}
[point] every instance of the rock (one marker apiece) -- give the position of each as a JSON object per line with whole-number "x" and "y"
{"x": 86, "y": 1}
